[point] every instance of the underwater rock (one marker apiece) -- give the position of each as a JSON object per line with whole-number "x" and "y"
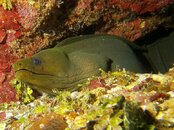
{"x": 51, "y": 121}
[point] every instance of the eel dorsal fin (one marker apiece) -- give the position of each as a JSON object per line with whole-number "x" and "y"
{"x": 71, "y": 40}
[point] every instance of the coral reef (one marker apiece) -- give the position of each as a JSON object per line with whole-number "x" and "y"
{"x": 133, "y": 19}
{"x": 6, "y": 74}
{"x": 27, "y": 26}
{"x": 122, "y": 100}
{"x": 9, "y": 29}
{"x": 19, "y": 22}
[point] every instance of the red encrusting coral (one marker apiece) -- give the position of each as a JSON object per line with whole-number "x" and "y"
{"x": 9, "y": 25}
{"x": 139, "y": 6}
{"x": 96, "y": 83}
{"x": 28, "y": 15}
{"x": 126, "y": 17}
{"x": 130, "y": 30}
{"x": 6, "y": 74}
{"x": 2, "y": 115}
{"x": 10, "y": 30}
{"x": 14, "y": 24}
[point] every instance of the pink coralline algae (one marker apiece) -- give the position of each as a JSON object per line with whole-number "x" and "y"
{"x": 28, "y": 15}
{"x": 95, "y": 83}
{"x": 132, "y": 30}
{"x": 9, "y": 26}
{"x": 9, "y": 31}
{"x": 13, "y": 24}
{"x": 7, "y": 92}
{"x": 139, "y": 6}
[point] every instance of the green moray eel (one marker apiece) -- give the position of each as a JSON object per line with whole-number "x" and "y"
{"x": 74, "y": 60}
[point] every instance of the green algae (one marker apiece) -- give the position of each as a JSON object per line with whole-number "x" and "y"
{"x": 7, "y": 5}
{"x": 23, "y": 91}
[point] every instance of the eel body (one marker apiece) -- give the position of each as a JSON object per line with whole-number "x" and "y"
{"x": 74, "y": 60}
{"x": 161, "y": 54}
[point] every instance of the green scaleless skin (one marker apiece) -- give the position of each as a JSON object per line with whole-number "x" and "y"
{"x": 74, "y": 60}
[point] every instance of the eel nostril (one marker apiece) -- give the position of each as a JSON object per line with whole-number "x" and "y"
{"x": 19, "y": 64}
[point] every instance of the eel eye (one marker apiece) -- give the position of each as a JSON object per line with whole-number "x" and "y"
{"x": 36, "y": 61}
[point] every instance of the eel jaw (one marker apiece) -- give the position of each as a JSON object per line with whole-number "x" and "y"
{"x": 29, "y": 71}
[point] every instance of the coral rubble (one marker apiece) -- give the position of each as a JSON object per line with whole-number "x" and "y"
{"x": 146, "y": 97}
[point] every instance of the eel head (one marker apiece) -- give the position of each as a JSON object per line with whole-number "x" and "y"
{"x": 43, "y": 70}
